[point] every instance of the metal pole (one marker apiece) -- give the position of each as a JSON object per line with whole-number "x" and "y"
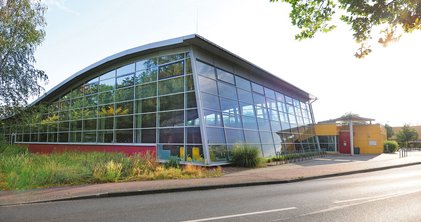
{"x": 351, "y": 137}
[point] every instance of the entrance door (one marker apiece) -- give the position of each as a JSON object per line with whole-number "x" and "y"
{"x": 344, "y": 143}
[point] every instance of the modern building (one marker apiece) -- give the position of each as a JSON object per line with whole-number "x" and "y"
{"x": 184, "y": 97}
{"x": 351, "y": 135}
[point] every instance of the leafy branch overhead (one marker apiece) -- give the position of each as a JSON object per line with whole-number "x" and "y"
{"x": 21, "y": 31}
{"x": 393, "y": 17}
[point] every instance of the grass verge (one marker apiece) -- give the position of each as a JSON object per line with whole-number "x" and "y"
{"x": 20, "y": 170}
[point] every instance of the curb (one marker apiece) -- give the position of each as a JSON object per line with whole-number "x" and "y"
{"x": 211, "y": 187}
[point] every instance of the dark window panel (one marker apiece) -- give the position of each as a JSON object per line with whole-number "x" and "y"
{"x": 146, "y": 105}
{"x": 188, "y": 66}
{"x": 89, "y": 137}
{"x": 89, "y": 124}
{"x": 148, "y": 136}
{"x": 75, "y": 125}
{"x": 124, "y": 122}
{"x": 124, "y": 136}
{"x": 173, "y": 135}
{"x": 192, "y": 118}
{"x": 146, "y": 120}
{"x": 189, "y": 83}
{"x": 76, "y": 137}
{"x": 175, "y": 118}
{"x": 171, "y": 102}
{"x": 193, "y": 135}
{"x": 191, "y": 100}
{"x": 106, "y": 123}
{"x": 105, "y": 136}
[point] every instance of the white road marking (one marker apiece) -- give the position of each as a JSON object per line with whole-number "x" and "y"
{"x": 241, "y": 215}
{"x": 366, "y": 200}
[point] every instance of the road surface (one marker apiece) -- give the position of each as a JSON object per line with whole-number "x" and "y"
{"x": 389, "y": 195}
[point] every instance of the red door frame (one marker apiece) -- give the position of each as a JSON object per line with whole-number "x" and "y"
{"x": 344, "y": 143}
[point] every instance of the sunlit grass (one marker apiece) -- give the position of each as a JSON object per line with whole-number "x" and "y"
{"x": 21, "y": 170}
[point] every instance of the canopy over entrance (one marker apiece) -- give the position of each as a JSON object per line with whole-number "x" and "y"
{"x": 349, "y": 119}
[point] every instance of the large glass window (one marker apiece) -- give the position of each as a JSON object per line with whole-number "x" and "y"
{"x": 170, "y": 70}
{"x": 205, "y": 70}
{"x": 171, "y": 102}
{"x": 169, "y": 86}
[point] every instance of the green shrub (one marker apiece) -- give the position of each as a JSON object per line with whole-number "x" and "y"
{"x": 173, "y": 162}
{"x": 244, "y": 155}
{"x": 13, "y": 150}
{"x": 390, "y": 146}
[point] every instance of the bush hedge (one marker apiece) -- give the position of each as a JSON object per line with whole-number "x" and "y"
{"x": 390, "y": 146}
{"x": 244, "y": 155}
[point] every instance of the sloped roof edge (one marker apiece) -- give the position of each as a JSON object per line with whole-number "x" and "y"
{"x": 193, "y": 39}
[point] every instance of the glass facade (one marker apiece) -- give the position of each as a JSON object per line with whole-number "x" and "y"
{"x": 164, "y": 101}
{"x": 237, "y": 110}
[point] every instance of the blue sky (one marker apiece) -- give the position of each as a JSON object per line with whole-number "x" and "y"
{"x": 384, "y": 86}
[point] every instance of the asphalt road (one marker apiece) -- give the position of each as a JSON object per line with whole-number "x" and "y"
{"x": 390, "y": 195}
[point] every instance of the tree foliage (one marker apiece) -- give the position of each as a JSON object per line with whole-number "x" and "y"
{"x": 393, "y": 17}
{"x": 405, "y": 135}
{"x": 21, "y": 31}
{"x": 389, "y": 131}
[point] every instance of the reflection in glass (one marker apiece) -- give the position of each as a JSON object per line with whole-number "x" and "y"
{"x": 207, "y": 85}
{"x": 175, "y": 118}
{"x": 126, "y": 69}
{"x": 124, "y": 136}
{"x": 205, "y": 70}
{"x": 173, "y": 135}
{"x": 169, "y": 86}
{"x": 225, "y": 76}
{"x": 171, "y": 70}
{"x": 215, "y": 135}
{"x": 171, "y": 102}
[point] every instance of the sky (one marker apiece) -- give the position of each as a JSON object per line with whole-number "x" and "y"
{"x": 384, "y": 86}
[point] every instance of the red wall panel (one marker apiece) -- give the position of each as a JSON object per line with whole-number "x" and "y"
{"x": 129, "y": 150}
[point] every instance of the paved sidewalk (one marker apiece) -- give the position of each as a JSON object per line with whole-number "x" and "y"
{"x": 328, "y": 166}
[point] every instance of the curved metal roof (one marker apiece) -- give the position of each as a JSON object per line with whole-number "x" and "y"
{"x": 187, "y": 40}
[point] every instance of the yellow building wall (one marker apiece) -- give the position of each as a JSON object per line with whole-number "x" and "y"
{"x": 369, "y": 138}
{"x": 326, "y": 129}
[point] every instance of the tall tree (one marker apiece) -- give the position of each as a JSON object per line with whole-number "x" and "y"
{"x": 405, "y": 135}
{"x": 21, "y": 31}
{"x": 393, "y": 17}
{"x": 389, "y": 131}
